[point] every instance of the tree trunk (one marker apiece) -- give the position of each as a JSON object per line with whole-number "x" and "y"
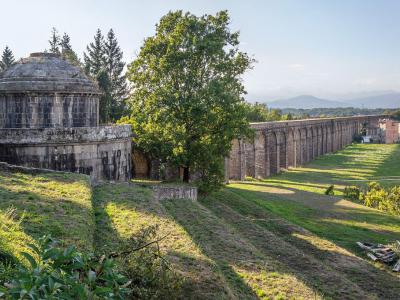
{"x": 186, "y": 174}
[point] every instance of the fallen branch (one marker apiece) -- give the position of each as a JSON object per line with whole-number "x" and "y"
{"x": 127, "y": 252}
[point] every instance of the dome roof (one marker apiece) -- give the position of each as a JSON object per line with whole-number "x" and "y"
{"x": 46, "y": 72}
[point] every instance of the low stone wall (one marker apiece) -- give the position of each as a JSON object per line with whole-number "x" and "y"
{"x": 104, "y": 153}
{"x": 174, "y": 192}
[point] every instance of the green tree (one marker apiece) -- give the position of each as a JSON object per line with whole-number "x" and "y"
{"x": 94, "y": 58}
{"x": 94, "y": 62}
{"x": 103, "y": 62}
{"x": 54, "y": 41}
{"x": 114, "y": 67}
{"x": 66, "y": 50}
{"x": 259, "y": 112}
{"x": 7, "y": 59}
{"x": 396, "y": 115}
{"x": 106, "y": 99}
{"x": 187, "y": 103}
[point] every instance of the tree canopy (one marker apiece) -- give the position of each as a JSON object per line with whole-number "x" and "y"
{"x": 62, "y": 46}
{"x": 103, "y": 61}
{"x": 187, "y": 105}
{"x": 259, "y": 112}
{"x": 7, "y": 59}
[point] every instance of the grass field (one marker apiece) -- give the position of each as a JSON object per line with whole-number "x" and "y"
{"x": 51, "y": 203}
{"x": 278, "y": 238}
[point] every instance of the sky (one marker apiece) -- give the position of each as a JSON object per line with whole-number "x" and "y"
{"x": 332, "y": 49}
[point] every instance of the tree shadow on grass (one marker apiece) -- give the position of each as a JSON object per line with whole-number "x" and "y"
{"x": 122, "y": 209}
{"x": 391, "y": 164}
{"x": 304, "y": 254}
{"x": 324, "y": 207}
{"x": 65, "y": 219}
{"x": 234, "y": 254}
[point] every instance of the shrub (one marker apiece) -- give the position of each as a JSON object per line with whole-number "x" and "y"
{"x": 211, "y": 177}
{"x": 352, "y": 192}
{"x": 392, "y": 203}
{"x": 149, "y": 272}
{"x": 56, "y": 273}
{"x": 330, "y": 190}
{"x": 378, "y": 197}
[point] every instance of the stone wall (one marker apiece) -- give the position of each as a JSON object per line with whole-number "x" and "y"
{"x": 283, "y": 144}
{"x": 390, "y": 131}
{"x": 104, "y": 153}
{"x": 48, "y": 110}
{"x": 174, "y": 192}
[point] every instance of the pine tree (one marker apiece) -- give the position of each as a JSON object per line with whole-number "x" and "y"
{"x": 66, "y": 50}
{"x": 115, "y": 67}
{"x": 94, "y": 58}
{"x": 103, "y": 61}
{"x": 7, "y": 59}
{"x": 54, "y": 41}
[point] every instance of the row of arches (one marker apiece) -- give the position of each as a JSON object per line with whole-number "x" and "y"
{"x": 278, "y": 146}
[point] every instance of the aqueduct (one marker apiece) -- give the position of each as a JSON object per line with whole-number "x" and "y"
{"x": 282, "y": 144}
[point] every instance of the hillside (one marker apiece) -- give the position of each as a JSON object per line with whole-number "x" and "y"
{"x": 306, "y": 102}
{"x": 391, "y": 100}
{"x": 276, "y": 238}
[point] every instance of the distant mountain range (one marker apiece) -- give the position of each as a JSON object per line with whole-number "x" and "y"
{"x": 391, "y": 100}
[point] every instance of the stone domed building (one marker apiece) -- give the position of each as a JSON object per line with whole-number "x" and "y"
{"x": 49, "y": 118}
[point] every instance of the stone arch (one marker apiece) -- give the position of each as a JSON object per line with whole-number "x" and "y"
{"x": 320, "y": 150}
{"x": 341, "y": 136}
{"x": 250, "y": 157}
{"x": 282, "y": 151}
{"x": 314, "y": 152}
{"x": 324, "y": 139}
{"x": 234, "y": 161}
{"x": 304, "y": 147}
{"x": 260, "y": 162}
{"x": 273, "y": 153}
{"x": 291, "y": 149}
{"x": 297, "y": 147}
{"x": 336, "y": 136}
{"x": 309, "y": 144}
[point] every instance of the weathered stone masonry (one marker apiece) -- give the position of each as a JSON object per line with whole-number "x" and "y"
{"x": 283, "y": 144}
{"x": 49, "y": 117}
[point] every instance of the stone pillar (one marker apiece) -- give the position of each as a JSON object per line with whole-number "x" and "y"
{"x": 320, "y": 141}
{"x": 309, "y": 144}
{"x": 259, "y": 155}
{"x": 226, "y": 166}
{"x": 242, "y": 159}
{"x": 266, "y": 154}
{"x": 250, "y": 151}
{"x": 291, "y": 150}
{"x": 297, "y": 147}
{"x": 282, "y": 151}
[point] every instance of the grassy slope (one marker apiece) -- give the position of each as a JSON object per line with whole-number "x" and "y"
{"x": 121, "y": 210}
{"x": 279, "y": 238}
{"x": 52, "y": 203}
